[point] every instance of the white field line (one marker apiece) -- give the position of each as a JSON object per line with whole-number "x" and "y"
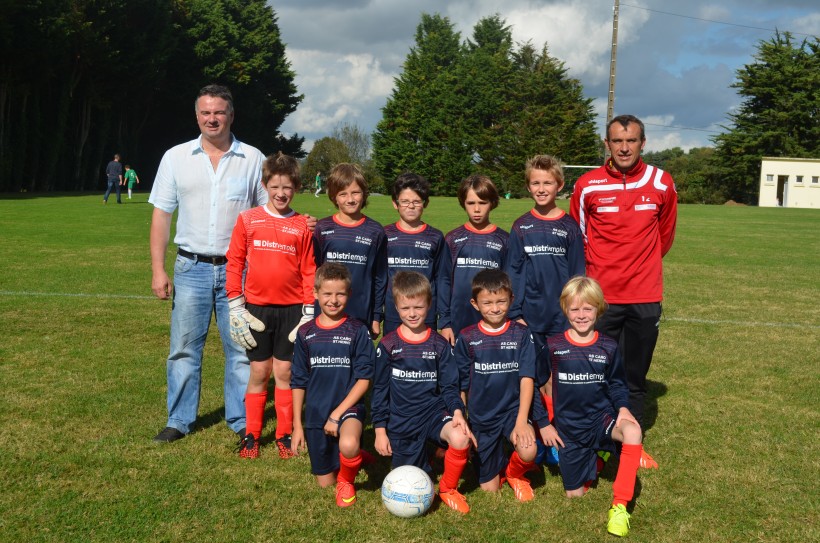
{"x": 77, "y": 295}
{"x": 664, "y": 318}
{"x": 744, "y": 323}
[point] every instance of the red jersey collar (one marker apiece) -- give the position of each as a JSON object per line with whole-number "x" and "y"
{"x": 496, "y": 333}
{"x": 637, "y": 169}
{"x": 338, "y": 324}
{"x": 577, "y": 344}
{"x": 419, "y": 231}
{"x": 418, "y": 341}
{"x": 352, "y": 225}
{"x": 472, "y": 229}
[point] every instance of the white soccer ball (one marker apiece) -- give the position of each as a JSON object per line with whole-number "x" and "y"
{"x": 407, "y": 491}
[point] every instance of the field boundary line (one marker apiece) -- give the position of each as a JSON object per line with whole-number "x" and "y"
{"x": 742, "y": 323}
{"x": 77, "y": 295}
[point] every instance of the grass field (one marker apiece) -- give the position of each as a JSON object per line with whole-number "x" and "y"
{"x": 733, "y": 415}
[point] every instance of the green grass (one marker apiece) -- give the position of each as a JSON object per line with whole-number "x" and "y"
{"x": 733, "y": 419}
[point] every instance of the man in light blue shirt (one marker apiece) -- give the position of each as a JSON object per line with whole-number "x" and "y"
{"x": 210, "y": 180}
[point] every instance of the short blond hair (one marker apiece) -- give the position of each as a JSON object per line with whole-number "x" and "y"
{"x": 547, "y": 163}
{"x": 331, "y": 271}
{"x": 587, "y": 290}
{"x": 410, "y": 284}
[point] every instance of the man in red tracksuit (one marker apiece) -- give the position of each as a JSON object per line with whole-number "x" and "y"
{"x": 627, "y": 212}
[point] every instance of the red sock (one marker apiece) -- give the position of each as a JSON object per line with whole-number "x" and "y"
{"x": 348, "y": 468}
{"x": 255, "y": 413}
{"x": 284, "y": 411}
{"x": 547, "y": 400}
{"x": 517, "y": 468}
{"x": 454, "y": 462}
{"x": 624, "y": 486}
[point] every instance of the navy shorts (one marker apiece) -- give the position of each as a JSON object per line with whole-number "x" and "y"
{"x": 490, "y": 457}
{"x": 279, "y": 320}
{"x": 324, "y": 449}
{"x": 579, "y": 456}
{"x": 412, "y": 450}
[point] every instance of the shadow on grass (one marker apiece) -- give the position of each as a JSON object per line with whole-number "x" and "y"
{"x": 654, "y": 390}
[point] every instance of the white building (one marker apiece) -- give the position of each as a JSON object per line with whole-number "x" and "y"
{"x": 789, "y": 182}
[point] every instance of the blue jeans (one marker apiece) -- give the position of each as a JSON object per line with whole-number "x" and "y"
{"x": 112, "y": 184}
{"x": 199, "y": 292}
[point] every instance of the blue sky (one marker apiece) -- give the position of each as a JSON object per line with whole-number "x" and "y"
{"x": 674, "y": 67}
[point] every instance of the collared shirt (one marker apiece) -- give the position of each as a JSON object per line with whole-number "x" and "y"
{"x": 209, "y": 201}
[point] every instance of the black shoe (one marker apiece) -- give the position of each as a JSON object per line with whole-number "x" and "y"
{"x": 241, "y": 434}
{"x": 168, "y": 435}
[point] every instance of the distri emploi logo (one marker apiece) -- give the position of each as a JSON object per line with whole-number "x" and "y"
{"x": 351, "y": 258}
{"x": 274, "y": 246}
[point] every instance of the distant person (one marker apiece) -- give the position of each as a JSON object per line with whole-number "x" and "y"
{"x": 591, "y": 403}
{"x": 318, "y": 184}
{"x": 113, "y": 173}
{"x": 269, "y": 281}
{"x": 627, "y": 211}
{"x": 210, "y": 180}
{"x": 131, "y": 179}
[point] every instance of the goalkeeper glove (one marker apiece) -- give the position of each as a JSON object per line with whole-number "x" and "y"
{"x": 241, "y": 323}
{"x": 307, "y": 314}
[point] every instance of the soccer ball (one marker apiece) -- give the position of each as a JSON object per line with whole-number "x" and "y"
{"x": 407, "y": 491}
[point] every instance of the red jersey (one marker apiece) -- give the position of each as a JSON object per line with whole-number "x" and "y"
{"x": 628, "y": 222}
{"x": 278, "y": 255}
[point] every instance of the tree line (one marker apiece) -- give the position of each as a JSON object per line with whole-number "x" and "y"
{"x": 83, "y": 79}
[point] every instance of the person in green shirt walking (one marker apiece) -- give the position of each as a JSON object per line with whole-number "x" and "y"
{"x": 131, "y": 178}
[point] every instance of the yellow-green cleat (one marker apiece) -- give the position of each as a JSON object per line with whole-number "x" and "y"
{"x": 618, "y": 521}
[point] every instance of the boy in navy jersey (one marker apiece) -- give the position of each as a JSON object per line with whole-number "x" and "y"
{"x": 545, "y": 249}
{"x": 413, "y": 245}
{"x": 333, "y": 361}
{"x": 415, "y": 392}
{"x": 357, "y": 241}
{"x": 474, "y": 246}
{"x": 591, "y": 402}
{"x": 496, "y": 361}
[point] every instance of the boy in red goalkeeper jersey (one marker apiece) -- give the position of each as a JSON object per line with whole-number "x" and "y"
{"x": 272, "y": 246}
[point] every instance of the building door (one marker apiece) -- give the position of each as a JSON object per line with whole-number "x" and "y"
{"x": 782, "y": 190}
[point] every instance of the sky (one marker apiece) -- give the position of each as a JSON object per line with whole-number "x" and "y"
{"x": 676, "y": 61}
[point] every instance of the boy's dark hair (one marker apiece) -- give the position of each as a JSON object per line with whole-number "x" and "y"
{"x": 331, "y": 271}
{"x": 282, "y": 164}
{"x": 342, "y": 176}
{"x": 414, "y": 182}
{"x": 547, "y": 163}
{"x": 411, "y": 284}
{"x": 483, "y": 187}
{"x": 127, "y": 166}
{"x": 218, "y": 91}
{"x": 492, "y": 281}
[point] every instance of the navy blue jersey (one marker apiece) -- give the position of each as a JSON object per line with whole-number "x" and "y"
{"x": 470, "y": 252}
{"x": 414, "y": 381}
{"x": 543, "y": 254}
{"x": 362, "y": 248}
{"x": 588, "y": 383}
{"x": 327, "y": 362}
{"x": 424, "y": 252}
{"x": 491, "y": 366}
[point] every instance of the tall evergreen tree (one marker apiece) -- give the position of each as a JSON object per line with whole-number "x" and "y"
{"x": 779, "y": 115}
{"x": 421, "y": 129}
{"x": 484, "y": 107}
